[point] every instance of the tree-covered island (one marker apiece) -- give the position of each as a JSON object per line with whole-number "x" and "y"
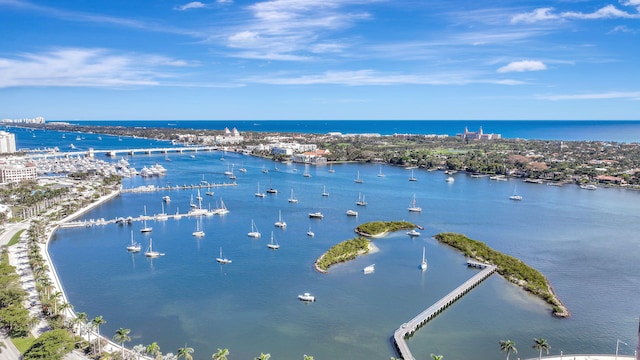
{"x": 350, "y": 249}
{"x": 510, "y": 268}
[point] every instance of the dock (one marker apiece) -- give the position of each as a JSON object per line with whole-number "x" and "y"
{"x": 409, "y": 328}
{"x": 152, "y": 188}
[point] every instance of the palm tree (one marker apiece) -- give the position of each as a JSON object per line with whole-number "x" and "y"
{"x": 122, "y": 336}
{"x": 82, "y": 320}
{"x": 508, "y": 346}
{"x": 185, "y": 352}
{"x": 436, "y": 357}
{"x": 541, "y": 344}
{"x": 97, "y": 321}
{"x": 221, "y": 354}
{"x": 153, "y": 349}
{"x": 263, "y": 356}
{"x": 64, "y": 306}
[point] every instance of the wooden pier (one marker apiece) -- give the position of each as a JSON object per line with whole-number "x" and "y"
{"x": 409, "y": 328}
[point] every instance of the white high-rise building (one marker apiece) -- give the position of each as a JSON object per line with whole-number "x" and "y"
{"x": 7, "y": 142}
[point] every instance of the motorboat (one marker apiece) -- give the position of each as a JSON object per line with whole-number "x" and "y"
{"x": 307, "y": 297}
{"x": 423, "y": 265}
{"x": 316, "y": 215}
{"x": 369, "y": 269}
{"x": 413, "y": 233}
{"x": 449, "y": 179}
{"x": 352, "y": 213}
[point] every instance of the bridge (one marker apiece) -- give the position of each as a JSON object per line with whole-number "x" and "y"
{"x": 410, "y": 327}
{"x": 119, "y": 152}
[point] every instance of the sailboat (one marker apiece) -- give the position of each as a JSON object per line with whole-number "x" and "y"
{"x": 380, "y": 174}
{"x": 280, "y": 223}
{"x": 412, "y": 178}
{"x": 221, "y": 259}
{"x": 198, "y": 233}
{"x": 423, "y": 265}
{"x": 413, "y": 207}
{"x": 310, "y": 233}
{"x": 324, "y": 191}
{"x": 145, "y": 228}
{"x": 177, "y": 216}
{"x": 162, "y": 216}
{"x": 134, "y": 246}
{"x": 515, "y": 195}
{"x": 292, "y": 199}
{"x": 199, "y": 197}
{"x": 254, "y": 233}
{"x": 271, "y": 189}
{"x": 357, "y": 179}
{"x": 361, "y": 201}
{"x": 273, "y": 245}
{"x": 258, "y": 193}
{"x": 331, "y": 168}
{"x": 150, "y": 253}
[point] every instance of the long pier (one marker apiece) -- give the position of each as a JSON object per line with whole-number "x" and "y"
{"x": 409, "y": 328}
{"x": 115, "y": 152}
{"x": 177, "y": 187}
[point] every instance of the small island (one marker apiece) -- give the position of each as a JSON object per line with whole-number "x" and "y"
{"x": 350, "y": 249}
{"x": 341, "y": 252}
{"x": 375, "y": 229}
{"x": 509, "y": 267}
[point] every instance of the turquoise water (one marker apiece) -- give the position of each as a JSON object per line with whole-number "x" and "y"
{"x": 585, "y": 242}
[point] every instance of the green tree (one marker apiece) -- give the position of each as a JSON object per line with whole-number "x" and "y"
{"x": 307, "y": 357}
{"x": 122, "y": 336}
{"x": 508, "y": 346}
{"x": 263, "y": 356}
{"x": 221, "y": 354}
{"x": 436, "y": 357}
{"x": 96, "y": 322}
{"x": 540, "y": 345}
{"x": 153, "y": 349}
{"x": 52, "y": 345}
{"x": 185, "y": 352}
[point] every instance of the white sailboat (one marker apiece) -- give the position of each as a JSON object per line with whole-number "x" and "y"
{"x": 331, "y": 168}
{"x": 177, "y": 216}
{"x": 134, "y": 246}
{"x": 292, "y": 199}
{"x": 310, "y": 233}
{"x": 361, "y": 201}
{"x": 273, "y": 245}
{"x": 412, "y": 178}
{"x": 145, "y": 228}
{"x": 413, "y": 207}
{"x": 380, "y": 174}
{"x": 423, "y": 265}
{"x": 198, "y": 233}
{"x": 280, "y": 223}
{"x": 306, "y": 171}
{"x": 324, "y": 191}
{"x": 150, "y": 253}
{"x": 258, "y": 193}
{"x": 254, "y": 233}
{"x": 222, "y": 259}
{"x": 357, "y": 179}
{"x": 271, "y": 189}
{"x": 515, "y": 195}
{"x": 162, "y": 216}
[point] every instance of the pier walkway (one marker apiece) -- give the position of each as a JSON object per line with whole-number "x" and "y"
{"x": 116, "y": 152}
{"x": 409, "y": 328}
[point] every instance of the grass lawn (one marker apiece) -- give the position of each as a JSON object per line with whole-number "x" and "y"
{"x": 14, "y": 240}
{"x": 23, "y": 343}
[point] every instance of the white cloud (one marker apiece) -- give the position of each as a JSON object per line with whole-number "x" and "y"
{"x": 191, "y": 5}
{"x": 370, "y": 77}
{"x": 522, "y": 66}
{"x": 606, "y": 12}
{"x": 633, "y": 95}
{"x": 541, "y": 14}
{"x": 75, "y": 67}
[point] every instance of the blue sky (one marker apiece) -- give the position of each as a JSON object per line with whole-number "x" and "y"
{"x": 320, "y": 59}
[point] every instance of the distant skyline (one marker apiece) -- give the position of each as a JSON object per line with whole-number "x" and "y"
{"x": 320, "y": 59}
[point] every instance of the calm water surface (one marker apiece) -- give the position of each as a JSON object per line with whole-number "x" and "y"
{"x": 585, "y": 242}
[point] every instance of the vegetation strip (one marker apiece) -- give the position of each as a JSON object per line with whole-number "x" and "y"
{"x": 381, "y": 228}
{"x": 509, "y": 267}
{"x": 341, "y": 252}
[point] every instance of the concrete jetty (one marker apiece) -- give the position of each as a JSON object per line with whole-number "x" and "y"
{"x": 410, "y": 327}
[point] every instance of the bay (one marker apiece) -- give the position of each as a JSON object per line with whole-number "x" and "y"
{"x": 585, "y": 242}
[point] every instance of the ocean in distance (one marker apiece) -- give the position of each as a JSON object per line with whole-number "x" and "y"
{"x": 605, "y": 130}
{"x": 585, "y": 242}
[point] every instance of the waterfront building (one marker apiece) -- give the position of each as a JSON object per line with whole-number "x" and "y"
{"x": 6, "y": 209}
{"x": 36, "y": 120}
{"x": 312, "y": 157}
{"x": 477, "y": 135}
{"x": 13, "y": 173}
{"x": 7, "y": 142}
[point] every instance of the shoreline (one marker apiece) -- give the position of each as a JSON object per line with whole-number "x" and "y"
{"x": 372, "y": 250}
